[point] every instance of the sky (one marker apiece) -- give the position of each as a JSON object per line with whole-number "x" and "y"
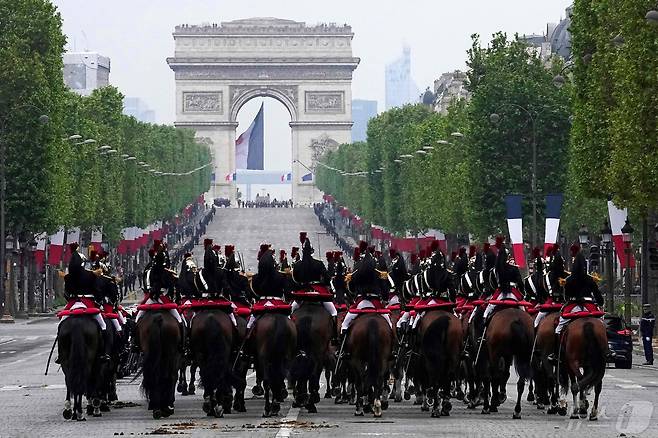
{"x": 136, "y": 35}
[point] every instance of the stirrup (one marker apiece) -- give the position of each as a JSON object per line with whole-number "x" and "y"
{"x": 103, "y": 358}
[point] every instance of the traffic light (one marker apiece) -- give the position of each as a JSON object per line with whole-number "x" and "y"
{"x": 653, "y": 258}
{"x": 594, "y": 258}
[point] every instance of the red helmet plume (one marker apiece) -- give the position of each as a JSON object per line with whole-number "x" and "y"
{"x": 357, "y": 254}
{"x": 302, "y": 237}
{"x": 472, "y": 250}
{"x": 229, "y": 250}
{"x": 536, "y": 253}
{"x": 575, "y": 249}
{"x": 500, "y": 240}
{"x": 392, "y": 253}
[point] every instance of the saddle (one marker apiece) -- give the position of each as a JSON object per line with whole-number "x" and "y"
{"x": 207, "y": 303}
{"x": 591, "y": 310}
{"x": 241, "y": 309}
{"x": 276, "y": 305}
{"x": 108, "y": 312}
{"x": 318, "y": 293}
{"x": 438, "y": 304}
{"x": 165, "y": 304}
{"x": 79, "y": 306}
{"x": 550, "y": 306}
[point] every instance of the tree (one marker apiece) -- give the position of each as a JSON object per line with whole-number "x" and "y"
{"x": 510, "y": 81}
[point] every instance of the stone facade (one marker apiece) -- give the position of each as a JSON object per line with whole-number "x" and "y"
{"x": 218, "y": 68}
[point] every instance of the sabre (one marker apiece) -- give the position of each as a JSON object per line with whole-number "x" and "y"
{"x": 477, "y": 356}
{"x": 51, "y": 354}
{"x": 532, "y": 354}
{"x": 340, "y": 355}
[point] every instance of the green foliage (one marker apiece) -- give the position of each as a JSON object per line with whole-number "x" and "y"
{"x": 52, "y": 181}
{"x": 614, "y": 144}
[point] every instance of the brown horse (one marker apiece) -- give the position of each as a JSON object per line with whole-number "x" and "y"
{"x": 79, "y": 342}
{"x": 440, "y": 340}
{"x": 368, "y": 347}
{"x": 585, "y": 346}
{"x": 274, "y": 338}
{"x": 544, "y": 370}
{"x": 509, "y": 336}
{"x": 314, "y": 332}
{"x": 211, "y": 343}
{"x": 160, "y": 339}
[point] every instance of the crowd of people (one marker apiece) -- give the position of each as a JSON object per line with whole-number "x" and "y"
{"x": 345, "y": 243}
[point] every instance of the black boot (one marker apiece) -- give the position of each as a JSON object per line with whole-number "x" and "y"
{"x": 185, "y": 342}
{"x": 553, "y": 357}
{"x": 107, "y": 346}
{"x": 334, "y": 331}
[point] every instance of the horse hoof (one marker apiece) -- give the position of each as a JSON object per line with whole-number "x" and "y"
{"x": 407, "y": 395}
{"x": 485, "y": 411}
{"x": 257, "y": 391}
{"x": 531, "y": 397}
{"x": 358, "y": 413}
{"x": 80, "y": 417}
{"x": 180, "y": 388}
{"x": 90, "y": 410}
{"x": 367, "y": 409}
{"x": 540, "y": 407}
{"x": 493, "y": 409}
{"x": 218, "y": 412}
{"x": 275, "y": 409}
{"x": 315, "y": 397}
{"x": 157, "y": 414}
{"x": 435, "y": 413}
{"x": 97, "y": 414}
{"x": 105, "y": 407}
{"x": 239, "y": 407}
{"x": 593, "y": 417}
{"x": 425, "y": 408}
{"x": 552, "y": 410}
{"x": 398, "y": 399}
{"x": 191, "y": 390}
{"x": 562, "y": 411}
{"x": 327, "y": 395}
{"x": 574, "y": 417}
{"x": 266, "y": 414}
{"x": 67, "y": 414}
{"x": 516, "y": 415}
{"x": 206, "y": 407}
{"x": 471, "y": 405}
{"x": 311, "y": 409}
{"x": 445, "y": 413}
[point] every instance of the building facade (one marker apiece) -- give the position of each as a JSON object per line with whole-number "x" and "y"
{"x": 556, "y": 41}
{"x": 136, "y": 107}
{"x": 86, "y": 71}
{"x": 449, "y": 88}
{"x": 362, "y": 112}
{"x": 220, "y": 67}
{"x": 400, "y": 86}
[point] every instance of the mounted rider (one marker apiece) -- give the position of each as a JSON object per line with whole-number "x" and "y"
{"x": 268, "y": 285}
{"x": 581, "y": 293}
{"x": 551, "y": 294}
{"x": 510, "y": 282}
{"x": 364, "y": 283}
{"x": 82, "y": 292}
{"x": 310, "y": 275}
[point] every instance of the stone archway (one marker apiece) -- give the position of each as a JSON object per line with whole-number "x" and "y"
{"x": 218, "y": 68}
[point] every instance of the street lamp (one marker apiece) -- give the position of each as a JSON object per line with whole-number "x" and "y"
{"x": 73, "y": 137}
{"x": 428, "y": 148}
{"x": 583, "y": 235}
{"x": 606, "y": 240}
{"x": 443, "y": 142}
{"x": 421, "y": 152}
{"x": 457, "y": 134}
{"x": 627, "y": 231}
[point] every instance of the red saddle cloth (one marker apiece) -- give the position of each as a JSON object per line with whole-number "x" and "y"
{"x": 465, "y": 306}
{"x": 496, "y": 295}
{"x": 591, "y": 311}
{"x": 411, "y": 305}
{"x": 340, "y": 307}
{"x": 276, "y": 305}
{"x": 533, "y": 309}
{"x": 379, "y": 308}
{"x": 92, "y": 308}
{"x": 550, "y": 306}
{"x": 108, "y": 312}
{"x": 166, "y": 304}
{"x": 426, "y": 304}
{"x": 394, "y": 307}
{"x": 241, "y": 309}
{"x": 318, "y": 293}
{"x": 510, "y": 303}
{"x": 207, "y": 303}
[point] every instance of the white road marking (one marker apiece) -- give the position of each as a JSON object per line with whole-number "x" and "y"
{"x": 32, "y": 338}
{"x": 293, "y": 413}
{"x": 617, "y": 379}
{"x": 630, "y": 386}
{"x": 11, "y": 388}
{"x": 8, "y": 341}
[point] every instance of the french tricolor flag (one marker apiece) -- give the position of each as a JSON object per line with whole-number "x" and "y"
{"x": 553, "y": 208}
{"x": 230, "y": 177}
{"x": 56, "y": 247}
{"x": 286, "y": 177}
{"x": 515, "y": 225}
{"x": 617, "y": 220}
{"x": 97, "y": 239}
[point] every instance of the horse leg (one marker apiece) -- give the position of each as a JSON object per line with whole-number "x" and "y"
{"x": 593, "y": 415}
{"x": 191, "y": 389}
{"x": 182, "y": 384}
{"x": 67, "y": 413}
{"x": 257, "y": 390}
{"x": 267, "y": 412}
{"x": 314, "y": 391}
{"x": 583, "y": 405}
{"x": 531, "y": 391}
{"x": 520, "y": 385}
{"x": 486, "y": 404}
{"x": 327, "y": 378}
{"x": 574, "y": 394}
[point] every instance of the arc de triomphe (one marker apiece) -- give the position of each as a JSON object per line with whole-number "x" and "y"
{"x": 218, "y": 68}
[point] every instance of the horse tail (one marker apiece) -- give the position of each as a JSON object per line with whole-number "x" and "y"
{"x": 303, "y": 362}
{"x": 374, "y": 370}
{"x": 594, "y": 355}
{"x": 78, "y": 366}
{"x": 153, "y": 366}
{"x": 212, "y": 373}
{"x": 522, "y": 349}
{"x": 434, "y": 345}
{"x": 277, "y": 352}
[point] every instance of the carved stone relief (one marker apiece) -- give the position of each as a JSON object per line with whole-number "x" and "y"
{"x": 237, "y": 91}
{"x": 325, "y": 101}
{"x": 203, "y": 102}
{"x": 321, "y": 145}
